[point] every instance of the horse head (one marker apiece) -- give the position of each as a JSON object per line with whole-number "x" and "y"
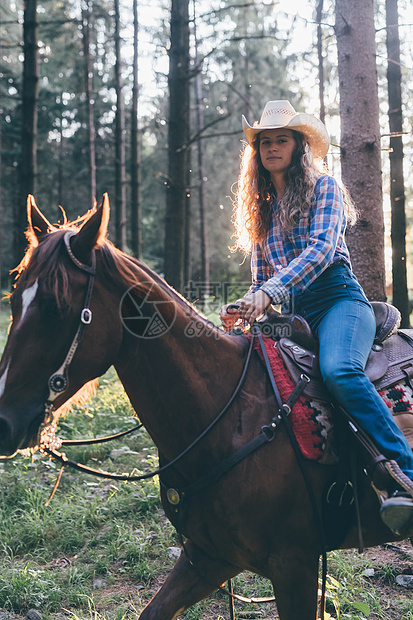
{"x": 47, "y": 309}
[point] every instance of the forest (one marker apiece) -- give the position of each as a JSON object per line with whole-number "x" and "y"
{"x": 144, "y": 101}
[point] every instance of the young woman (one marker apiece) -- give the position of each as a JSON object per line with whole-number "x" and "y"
{"x": 292, "y": 216}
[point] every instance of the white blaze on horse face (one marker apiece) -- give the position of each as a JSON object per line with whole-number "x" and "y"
{"x": 3, "y": 380}
{"x": 27, "y": 297}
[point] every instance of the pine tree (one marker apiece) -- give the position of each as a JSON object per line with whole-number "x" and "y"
{"x": 176, "y": 224}
{"x": 360, "y": 140}
{"x": 30, "y": 93}
{"x": 397, "y": 193}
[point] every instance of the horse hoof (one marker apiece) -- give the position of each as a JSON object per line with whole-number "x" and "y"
{"x": 397, "y": 514}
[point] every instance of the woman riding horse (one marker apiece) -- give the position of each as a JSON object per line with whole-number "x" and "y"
{"x": 292, "y": 216}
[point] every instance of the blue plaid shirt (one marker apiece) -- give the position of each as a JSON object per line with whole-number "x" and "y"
{"x": 289, "y": 261}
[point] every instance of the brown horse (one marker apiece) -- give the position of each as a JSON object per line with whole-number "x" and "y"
{"x": 179, "y": 372}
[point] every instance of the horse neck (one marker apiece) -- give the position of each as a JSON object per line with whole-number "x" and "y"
{"x": 178, "y": 382}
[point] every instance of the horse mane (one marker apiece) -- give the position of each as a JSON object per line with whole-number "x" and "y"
{"x": 48, "y": 252}
{"x": 45, "y": 260}
{"x": 129, "y": 271}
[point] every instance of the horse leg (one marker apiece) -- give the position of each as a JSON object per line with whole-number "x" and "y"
{"x": 295, "y": 581}
{"x": 190, "y": 581}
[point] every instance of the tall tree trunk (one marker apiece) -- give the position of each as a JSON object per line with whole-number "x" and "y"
{"x": 201, "y": 170}
{"x": 120, "y": 171}
{"x": 1, "y": 200}
{"x": 60, "y": 167}
{"x": 319, "y": 14}
{"x": 86, "y": 26}
{"x": 397, "y": 193}
{"x": 187, "y": 247}
{"x": 136, "y": 236}
{"x": 28, "y": 162}
{"x": 360, "y": 140}
{"x": 246, "y": 72}
{"x": 178, "y": 138}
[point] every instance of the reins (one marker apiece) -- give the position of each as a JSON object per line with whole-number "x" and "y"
{"x": 283, "y": 412}
{"x": 58, "y": 383}
{"x": 62, "y": 458}
{"x": 176, "y": 497}
{"x": 89, "y": 442}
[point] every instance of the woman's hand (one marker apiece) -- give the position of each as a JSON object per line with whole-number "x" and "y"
{"x": 250, "y": 308}
{"x": 229, "y": 317}
{"x": 253, "y": 306}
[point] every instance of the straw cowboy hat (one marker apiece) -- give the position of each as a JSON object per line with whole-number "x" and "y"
{"x": 281, "y": 113}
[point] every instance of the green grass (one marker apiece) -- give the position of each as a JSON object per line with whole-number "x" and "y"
{"x": 52, "y": 558}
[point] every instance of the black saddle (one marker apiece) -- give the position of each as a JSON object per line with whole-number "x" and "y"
{"x": 390, "y": 360}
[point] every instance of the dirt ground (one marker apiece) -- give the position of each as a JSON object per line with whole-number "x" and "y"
{"x": 386, "y": 562}
{"x": 389, "y": 561}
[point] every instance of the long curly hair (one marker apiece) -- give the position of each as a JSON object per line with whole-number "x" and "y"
{"x": 255, "y": 194}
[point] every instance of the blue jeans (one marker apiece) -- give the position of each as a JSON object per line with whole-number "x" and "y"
{"x": 344, "y": 323}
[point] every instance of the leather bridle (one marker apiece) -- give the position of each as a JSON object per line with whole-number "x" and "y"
{"x": 58, "y": 382}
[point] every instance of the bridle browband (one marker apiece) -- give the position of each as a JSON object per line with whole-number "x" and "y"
{"x": 58, "y": 382}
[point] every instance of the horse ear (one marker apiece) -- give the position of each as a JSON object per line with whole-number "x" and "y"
{"x": 38, "y": 224}
{"x": 92, "y": 233}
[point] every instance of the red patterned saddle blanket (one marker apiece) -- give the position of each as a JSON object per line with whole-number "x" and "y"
{"x": 312, "y": 420}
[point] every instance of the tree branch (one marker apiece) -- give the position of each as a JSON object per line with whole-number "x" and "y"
{"x": 199, "y": 134}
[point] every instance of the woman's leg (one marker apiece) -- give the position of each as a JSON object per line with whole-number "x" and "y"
{"x": 346, "y": 335}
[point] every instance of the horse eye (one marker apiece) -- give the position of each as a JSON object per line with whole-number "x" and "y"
{"x": 50, "y": 309}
